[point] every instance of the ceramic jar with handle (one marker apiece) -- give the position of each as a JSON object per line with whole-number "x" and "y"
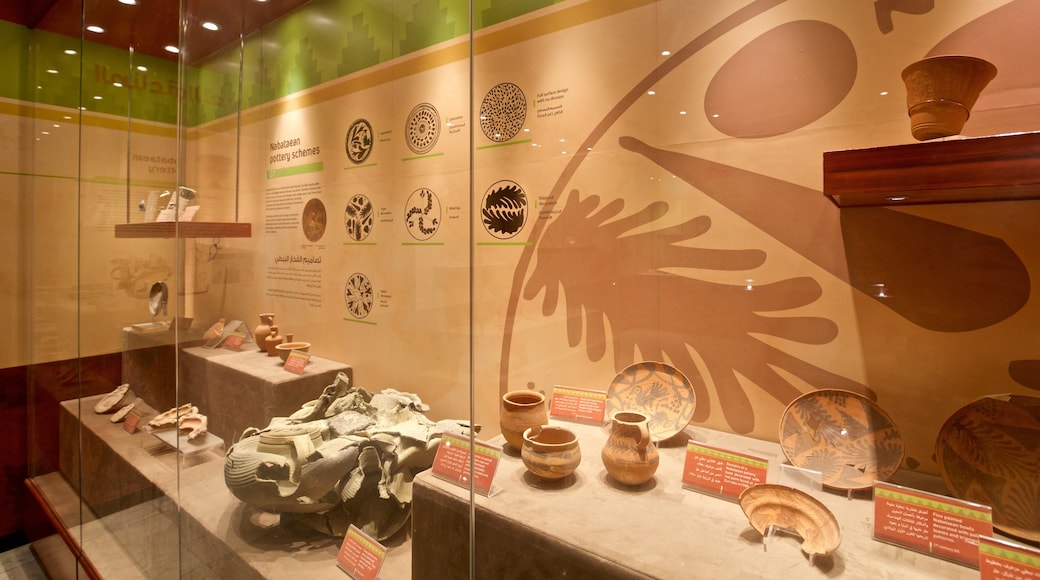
{"x": 263, "y": 330}
{"x": 630, "y": 455}
{"x": 520, "y": 411}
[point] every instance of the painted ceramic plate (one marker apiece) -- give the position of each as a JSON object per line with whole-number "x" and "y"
{"x": 785, "y": 507}
{"x": 845, "y": 436}
{"x": 657, "y": 390}
{"x": 314, "y": 219}
{"x": 989, "y": 452}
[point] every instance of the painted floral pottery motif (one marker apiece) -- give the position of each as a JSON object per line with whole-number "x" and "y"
{"x": 550, "y": 452}
{"x": 767, "y": 505}
{"x": 520, "y": 411}
{"x": 345, "y": 458}
{"x": 845, "y": 436}
{"x": 988, "y": 452}
{"x": 941, "y": 91}
{"x": 263, "y": 330}
{"x": 659, "y": 391}
{"x": 630, "y": 455}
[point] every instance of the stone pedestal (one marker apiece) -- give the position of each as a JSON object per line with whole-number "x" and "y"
{"x": 588, "y": 526}
{"x": 240, "y": 389}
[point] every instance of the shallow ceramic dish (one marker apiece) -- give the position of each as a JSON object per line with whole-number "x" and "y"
{"x": 988, "y": 452}
{"x": 785, "y": 507}
{"x": 845, "y": 436}
{"x": 287, "y": 347}
{"x": 659, "y": 391}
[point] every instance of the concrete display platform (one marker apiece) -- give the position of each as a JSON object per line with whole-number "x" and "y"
{"x": 182, "y": 522}
{"x": 588, "y": 526}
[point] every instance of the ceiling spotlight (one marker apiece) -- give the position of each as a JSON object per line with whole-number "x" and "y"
{"x": 95, "y": 28}
{"x": 171, "y": 48}
{"x": 128, "y": 2}
{"x": 69, "y": 51}
{"x": 210, "y": 26}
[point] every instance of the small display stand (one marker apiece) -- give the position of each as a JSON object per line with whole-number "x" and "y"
{"x": 190, "y": 452}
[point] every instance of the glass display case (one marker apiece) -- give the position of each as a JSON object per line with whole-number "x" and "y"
{"x": 486, "y": 288}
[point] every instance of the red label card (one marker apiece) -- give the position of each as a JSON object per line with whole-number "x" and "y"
{"x": 234, "y": 341}
{"x": 452, "y": 462}
{"x": 721, "y": 472}
{"x": 933, "y": 524}
{"x": 297, "y": 361}
{"x": 131, "y": 421}
{"x": 1000, "y": 560}
{"x": 359, "y": 555}
{"x": 578, "y": 404}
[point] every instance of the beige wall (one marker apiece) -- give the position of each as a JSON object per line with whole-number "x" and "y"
{"x": 744, "y": 208}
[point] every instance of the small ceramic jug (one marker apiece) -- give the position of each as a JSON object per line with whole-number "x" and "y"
{"x": 520, "y": 411}
{"x": 550, "y": 452}
{"x": 629, "y": 455}
{"x": 273, "y": 339}
{"x": 262, "y": 330}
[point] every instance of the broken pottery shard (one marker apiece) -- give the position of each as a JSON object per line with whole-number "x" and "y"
{"x": 122, "y": 395}
{"x": 122, "y": 413}
{"x": 194, "y": 424}
{"x": 171, "y": 418}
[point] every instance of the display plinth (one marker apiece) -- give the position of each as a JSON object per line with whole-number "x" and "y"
{"x": 247, "y": 388}
{"x": 590, "y": 527}
{"x": 212, "y": 534}
{"x": 150, "y": 362}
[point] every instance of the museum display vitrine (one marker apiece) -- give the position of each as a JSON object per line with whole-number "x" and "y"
{"x": 449, "y": 288}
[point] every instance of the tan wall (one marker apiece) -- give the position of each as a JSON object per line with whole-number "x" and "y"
{"x": 602, "y": 280}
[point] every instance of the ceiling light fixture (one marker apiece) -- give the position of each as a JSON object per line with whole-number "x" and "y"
{"x": 95, "y": 28}
{"x": 128, "y": 2}
{"x": 69, "y": 51}
{"x": 210, "y": 26}
{"x": 172, "y": 48}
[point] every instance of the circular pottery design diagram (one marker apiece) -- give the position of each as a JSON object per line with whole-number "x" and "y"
{"x": 314, "y": 219}
{"x": 989, "y": 452}
{"x": 359, "y": 141}
{"x": 423, "y": 128}
{"x": 785, "y": 507}
{"x": 358, "y": 295}
{"x": 422, "y": 214}
{"x": 656, "y": 390}
{"x": 358, "y": 217}
{"x": 845, "y": 436}
{"x": 503, "y": 112}
{"x": 504, "y": 210}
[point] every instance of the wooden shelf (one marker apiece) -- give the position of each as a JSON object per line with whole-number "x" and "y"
{"x": 1005, "y": 167}
{"x": 185, "y": 230}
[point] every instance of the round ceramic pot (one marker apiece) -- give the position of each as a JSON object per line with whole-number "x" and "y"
{"x": 520, "y": 411}
{"x": 550, "y": 452}
{"x": 630, "y": 455}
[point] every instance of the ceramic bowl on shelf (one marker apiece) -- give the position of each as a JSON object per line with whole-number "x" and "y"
{"x": 845, "y": 436}
{"x": 988, "y": 452}
{"x": 769, "y": 505}
{"x": 550, "y": 452}
{"x": 286, "y": 347}
{"x": 656, "y": 390}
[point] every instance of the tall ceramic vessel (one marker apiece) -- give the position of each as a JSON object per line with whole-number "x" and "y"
{"x": 520, "y": 411}
{"x": 629, "y": 455}
{"x": 262, "y": 330}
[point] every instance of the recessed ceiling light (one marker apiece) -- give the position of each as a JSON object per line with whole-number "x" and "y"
{"x": 666, "y": 52}
{"x": 171, "y": 48}
{"x": 210, "y": 26}
{"x": 651, "y": 92}
{"x": 142, "y": 68}
{"x": 117, "y": 84}
{"x": 52, "y": 71}
{"x": 69, "y": 51}
{"x": 128, "y": 2}
{"x": 95, "y": 28}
